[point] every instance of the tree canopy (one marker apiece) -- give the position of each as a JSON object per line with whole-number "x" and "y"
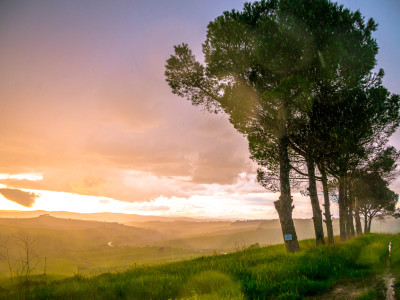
{"x": 294, "y": 77}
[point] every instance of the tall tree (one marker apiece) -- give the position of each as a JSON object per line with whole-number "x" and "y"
{"x": 372, "y": 197}
{"x": 376, "y": 200}
{"x": 327, "y": 211}
{"x": 270, "y": 68}
{"x": 354, "y": 127}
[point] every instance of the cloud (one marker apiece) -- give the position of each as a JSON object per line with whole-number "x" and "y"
{"x": 107, "y": 124}
{"x": 27, "y": 176}
{"x": 151, "y": 208}
{"x": 23, "y": 198}
{"x": 111, "y": 126}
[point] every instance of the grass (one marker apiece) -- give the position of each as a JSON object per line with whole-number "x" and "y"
{"x": 395, "y": 263}
{"x": 102, "y": 259}
{"x": 263, "y": 273}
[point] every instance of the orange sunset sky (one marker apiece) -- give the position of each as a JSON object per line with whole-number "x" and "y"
{"x": 88, "y": 123}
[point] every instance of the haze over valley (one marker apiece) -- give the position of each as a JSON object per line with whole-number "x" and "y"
{"x": 96, "y": 243}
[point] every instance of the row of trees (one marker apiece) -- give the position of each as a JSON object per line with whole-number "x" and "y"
{"x": 295, "y": 77}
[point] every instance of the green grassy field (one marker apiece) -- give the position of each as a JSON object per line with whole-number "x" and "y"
{"x": 395, "y": 263}
{"x": 86, "y": 247}
{"x": 265, "y": 273}
{"x": 94, "y": 261}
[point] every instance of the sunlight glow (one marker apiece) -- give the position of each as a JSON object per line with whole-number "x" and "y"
{"x": 23, "y": 176}
{"x": 220, "y": 205}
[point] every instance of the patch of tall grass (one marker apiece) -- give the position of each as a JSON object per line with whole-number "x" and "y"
{"x": 262, "y": 273}
{"x": 395, "y": 263}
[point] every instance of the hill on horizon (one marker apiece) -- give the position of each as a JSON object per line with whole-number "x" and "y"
{"x": 102, "y": 216}
{"x": 92, "y": 246}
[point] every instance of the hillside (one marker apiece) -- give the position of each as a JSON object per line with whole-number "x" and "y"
{"x": 92, "y": 232}
{"x": 316, "y": 272}
{"x": 71, "y": 246}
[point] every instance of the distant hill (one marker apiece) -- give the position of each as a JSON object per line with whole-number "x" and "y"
{"x": 71, "y": 246}
{"x": 69, "y": 233}
{"x": 237, "y": 235}
{"x": 104, "y": 216}
{"x": 133, "y": 219}
{"x": 100, "y": 228}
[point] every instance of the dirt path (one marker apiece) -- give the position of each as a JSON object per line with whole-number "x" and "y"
{"x": 389, "y": 279}
{"x": 351, "y": 289}
{"x": 381, "y": 286}
{"x": 389, "y": 285}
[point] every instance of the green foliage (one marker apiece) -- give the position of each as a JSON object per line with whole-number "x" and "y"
{"x": 254, "y": 246}
{"x": 372, "y": 254}
{"x": 293, "y": 77}
{"x": 287, "y": 64}
{"x": 262, "y": 273}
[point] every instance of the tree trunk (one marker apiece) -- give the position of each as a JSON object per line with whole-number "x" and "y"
{"x": 317, "y": 214}
{"x": 369, "y": 223}
{"x": 350, "y": 201}
{"x": 357, "y": 217}
{"x": 328, "y": 216}
{"x": 346, "y": 201}
{"x": 284, "y": 204}
{"x": 365, "y": 222}
{"x": 342, "y": 209}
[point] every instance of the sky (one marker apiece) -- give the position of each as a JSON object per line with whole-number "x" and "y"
{"x": 88, "y": 123}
